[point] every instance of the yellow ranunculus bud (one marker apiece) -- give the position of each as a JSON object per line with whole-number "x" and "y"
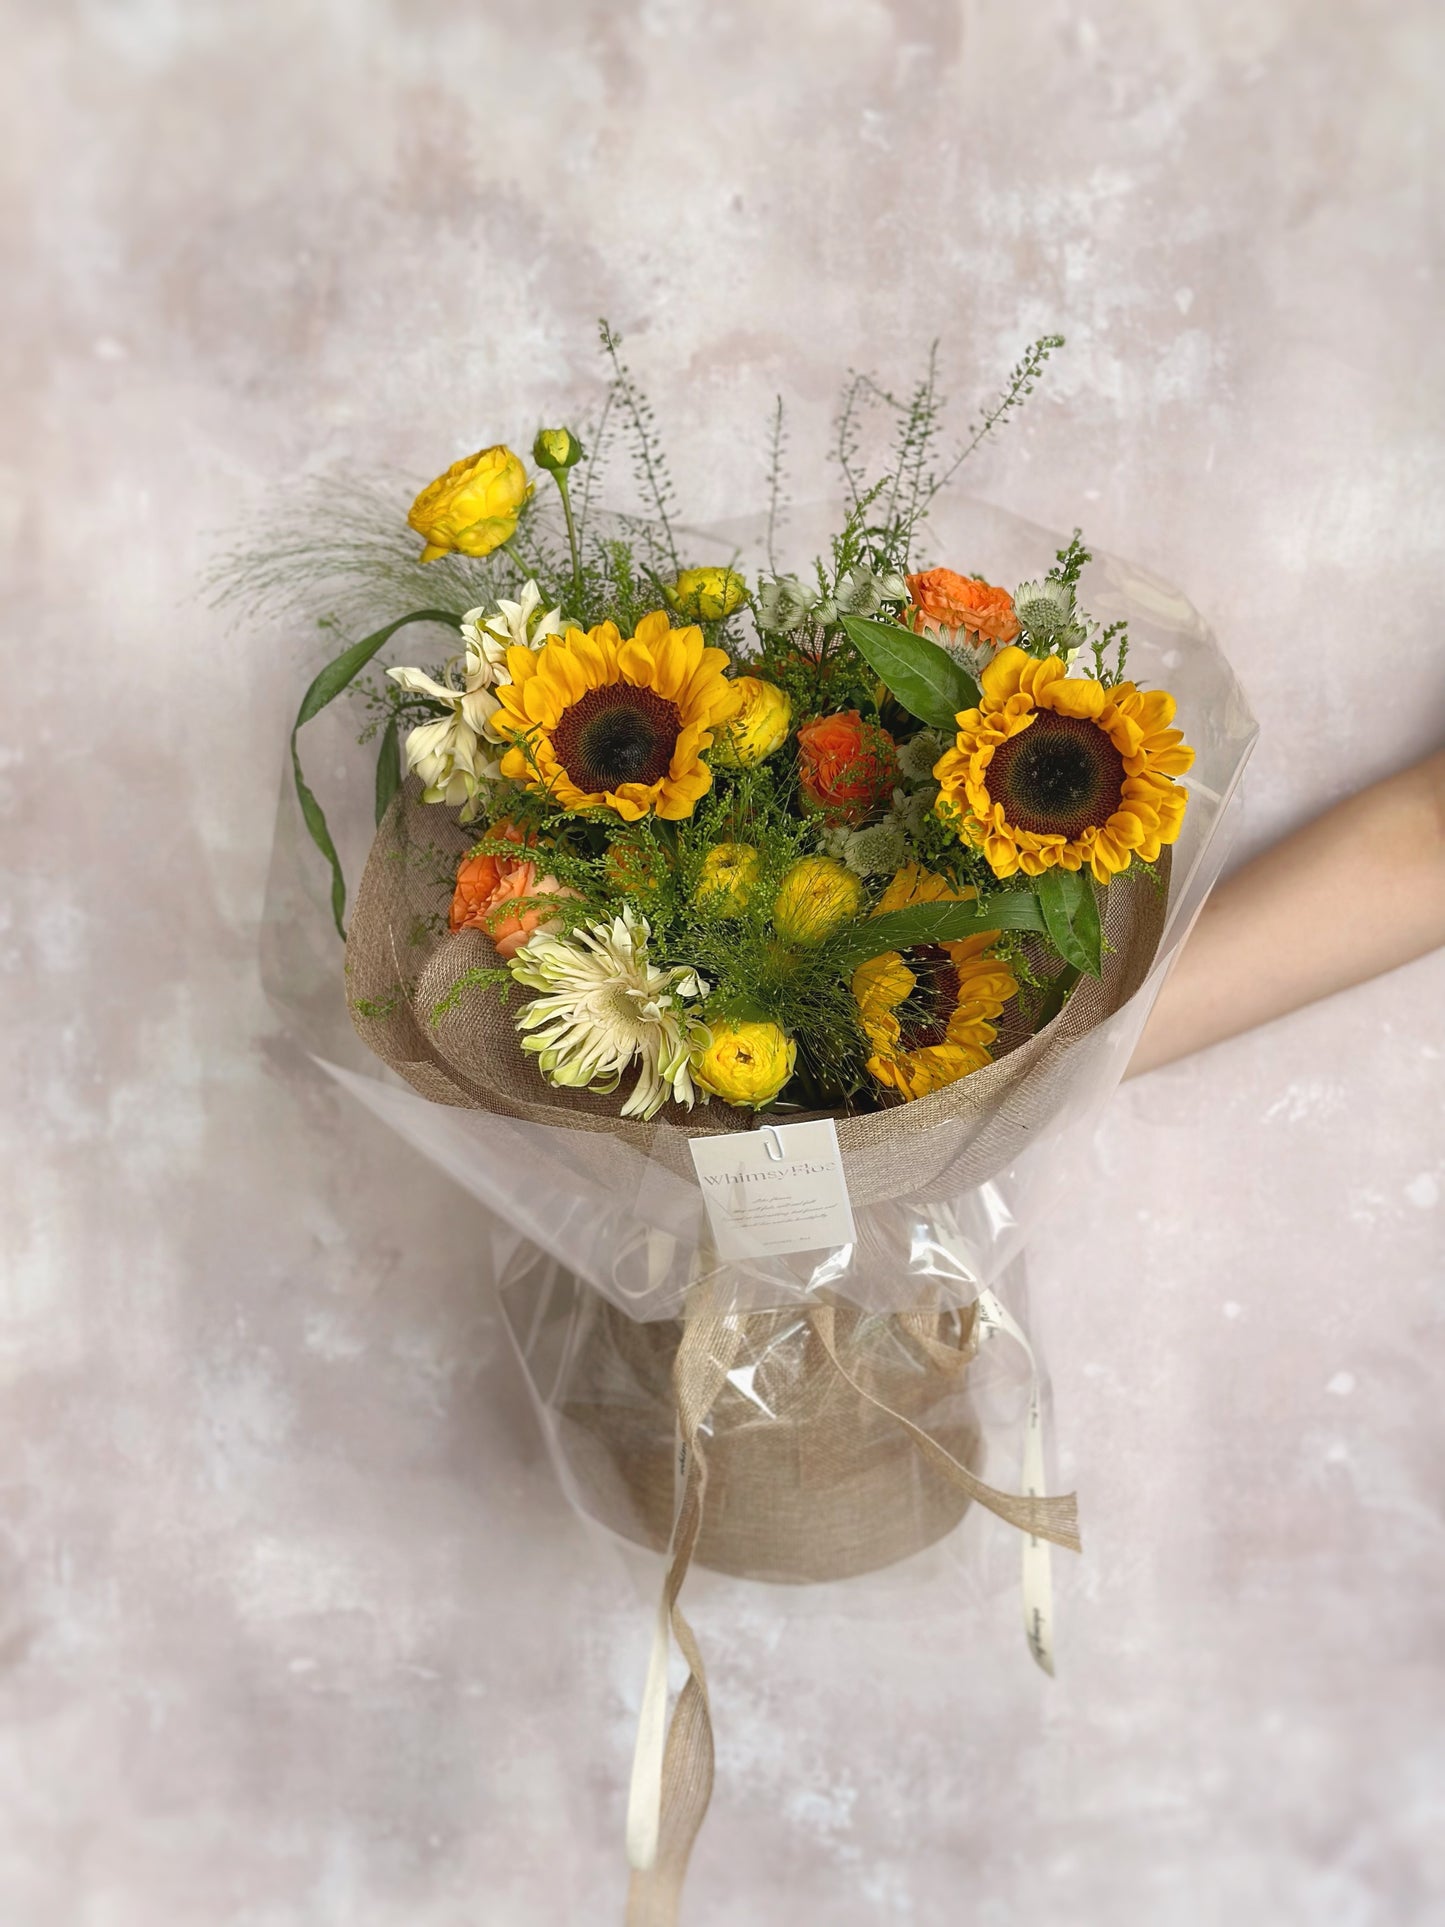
{"x": 707, "y": 595}
{"x": 758, "y": 726}
{"x": 814, "y": 898}
{"x": 729, "y": 871}
{"x": 746, "y": 1064}
{"x": 556, "y": 449}
{"x": 473, "y": 508}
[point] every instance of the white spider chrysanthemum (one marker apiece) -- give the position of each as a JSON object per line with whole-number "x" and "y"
{"x": 605, "y": 1007}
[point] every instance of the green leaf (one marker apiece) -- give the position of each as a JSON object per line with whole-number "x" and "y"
{"x": 924, "y": 923}
{"x": 1089, "y": 928}
{"x": 1056, "y": 995}
{"x": 1071, "y": 917}
{"x": 928, "y": 682}
{"x": 325, "y": 688}
{"x": 388, "y": 768}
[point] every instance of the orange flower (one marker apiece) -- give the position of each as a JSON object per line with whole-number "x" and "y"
{"x": 945, "y": 602}
{"x": 491, "y": 889}
{"x": 846, "y": 768}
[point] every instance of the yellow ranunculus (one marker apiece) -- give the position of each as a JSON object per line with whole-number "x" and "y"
{"x": 707, "y": 595}
{"x": 745, "y": 1064}
{"x": 729, "y": 871}
{"x": 760, "y": 726}
{"x": 473, "y": 508}
{"x": 814, "y": 898}
{"x": 556, "y": 449}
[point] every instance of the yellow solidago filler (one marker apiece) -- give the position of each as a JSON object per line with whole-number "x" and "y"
{"x": 729, "y": 871}
{"x": 814, "y": 898}
{"x": 1058, "y": 770}
{"x": 707, "y": 595}
{"x": 759, "y": 728}
{"x": 596, "y": 719}
{"x": 745, "y": 1064}
{"x": 473, "y": 508}
{"x": 928, "y": 1012}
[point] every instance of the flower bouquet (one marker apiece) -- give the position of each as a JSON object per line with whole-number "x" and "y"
{"x": 742, "y": 934}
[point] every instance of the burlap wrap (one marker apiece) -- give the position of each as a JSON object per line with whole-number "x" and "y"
{"x": 402, "y": 963}
{"x": 808, "y": 1480}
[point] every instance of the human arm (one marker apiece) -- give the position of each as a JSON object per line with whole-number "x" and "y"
{"x": 1357, "y": 892}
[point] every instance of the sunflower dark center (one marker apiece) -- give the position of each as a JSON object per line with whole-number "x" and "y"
{"x": 1059, "y": 777}
{"x": 616, "y": 734}
{"x": 924, "y": 1014}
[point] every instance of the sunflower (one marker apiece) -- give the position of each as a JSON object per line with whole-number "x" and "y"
{"x": 928, "y": 1012}
{"x": 594, "y": 719}
{"x": 1058, "y": 770}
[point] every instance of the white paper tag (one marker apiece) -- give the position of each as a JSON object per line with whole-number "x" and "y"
{"x": 774, "y": 1190}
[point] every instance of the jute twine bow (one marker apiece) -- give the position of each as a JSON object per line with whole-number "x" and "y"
{"x": 672, "y": 1782}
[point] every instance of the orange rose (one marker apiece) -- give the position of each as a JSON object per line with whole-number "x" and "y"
{"x": 944, "y": 603}
{"x": 846, "y": 768}
{"x": 490, "y": 889}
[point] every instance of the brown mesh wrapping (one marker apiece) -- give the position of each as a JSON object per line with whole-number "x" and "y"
{"x": 402, "y": 962}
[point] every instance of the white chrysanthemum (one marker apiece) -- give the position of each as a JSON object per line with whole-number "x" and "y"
{"x": 605, "y": 1007}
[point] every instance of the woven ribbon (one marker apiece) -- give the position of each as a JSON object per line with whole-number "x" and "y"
{"x": 672, "y": 1780}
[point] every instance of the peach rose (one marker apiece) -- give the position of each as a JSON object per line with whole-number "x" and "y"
{"x": 946, "y": 602}
{"x": 490, "y": 890}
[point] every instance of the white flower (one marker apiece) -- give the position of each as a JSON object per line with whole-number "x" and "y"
{"x": 918, "y": 755}
{"x": 912, "y": 808}
{"x": 448, "y": 754}
{"x": 512, "y": 625}
{"x": 605, "y": 1007}
{"x": 876, "y": 851}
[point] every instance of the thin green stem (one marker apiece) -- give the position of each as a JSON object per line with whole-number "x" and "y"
{"x": 559, "y": 476}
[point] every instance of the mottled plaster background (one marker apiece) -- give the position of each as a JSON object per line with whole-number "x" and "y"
{"x": 295, "y": 1629}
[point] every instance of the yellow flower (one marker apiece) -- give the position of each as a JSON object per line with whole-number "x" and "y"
{"x": 745, "y": 1064}
{"x": 814, "y": 898}
{"x": 556, "y": 449}
{"x": 928, "y": 1012}
{"x": 729, "y": 871}
{"x": 1058, "y": 770}
{"x": 599, "y": 720}
{"x": 764, "y": 716}
{"x": 473, "y": 508}
{"x": 707, "y": 595}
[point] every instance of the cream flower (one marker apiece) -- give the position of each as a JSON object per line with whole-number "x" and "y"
{"x": 522, "y": 624}
{"x": 448, "y": 754}
{"x": 605, "y": 1007}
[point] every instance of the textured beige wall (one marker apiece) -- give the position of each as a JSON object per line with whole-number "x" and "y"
{"x": 295, "y": 1629}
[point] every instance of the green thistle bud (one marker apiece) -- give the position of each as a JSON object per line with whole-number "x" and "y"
{"x": 556, "y": 450}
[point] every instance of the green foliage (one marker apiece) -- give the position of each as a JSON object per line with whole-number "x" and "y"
{"x": 1071, "y": 917}
{"x": 649, "y": 463}
{"x": 930, "y": 683}
{"x": 325, "y": 687}
{"x": 933, "y": 923}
